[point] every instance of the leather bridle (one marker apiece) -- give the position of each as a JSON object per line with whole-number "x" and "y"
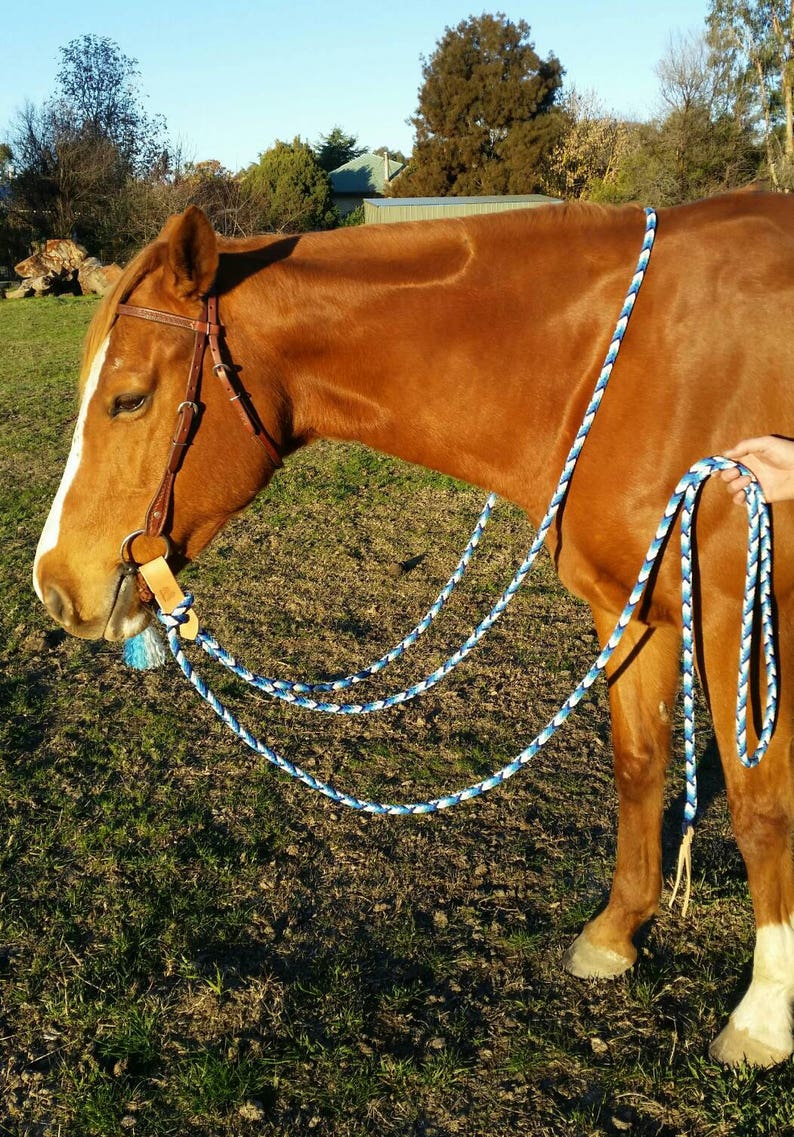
{"x": 207, "y": 330}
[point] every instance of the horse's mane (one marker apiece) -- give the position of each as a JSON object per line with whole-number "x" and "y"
{"x": 144, "y": 262}
{"x": 380, "y": 237}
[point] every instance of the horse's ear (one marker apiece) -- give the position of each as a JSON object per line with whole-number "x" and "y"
{"x": 192, "y": 252}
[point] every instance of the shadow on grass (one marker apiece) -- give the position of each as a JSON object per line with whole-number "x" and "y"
{"x": 22, "y": 698}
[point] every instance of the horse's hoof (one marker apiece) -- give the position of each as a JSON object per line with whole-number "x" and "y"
{"x": 586, "y": 960}
{"x": 733, "y": 1047}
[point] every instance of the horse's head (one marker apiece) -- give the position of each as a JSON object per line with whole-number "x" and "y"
{"x": 133, "y": 380}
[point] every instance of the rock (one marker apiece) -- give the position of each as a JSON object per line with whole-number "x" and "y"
{"x": 42, "y": 285}
{"x": 35, "y": 642}
{"x": 55, "y": 284}
{"x": 20, "y": 293}
{"x": 87, "y": 269}
{"x": 96, "y": 277}
{"x": 33, "y": 266}
{"x": 57, "y": 256}
{"x": 63, "y": 266}
{"x": 252, "y": 1110}
{"x": 48, "y": 284}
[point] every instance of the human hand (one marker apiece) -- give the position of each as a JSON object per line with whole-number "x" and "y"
{"x": 771, "y": 459}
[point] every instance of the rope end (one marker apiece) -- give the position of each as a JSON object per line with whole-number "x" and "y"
{"x": 684, "y": 870}
{"x": 144, "y": 652}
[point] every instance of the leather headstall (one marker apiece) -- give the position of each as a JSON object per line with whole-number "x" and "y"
{"x": 207, "y": 330}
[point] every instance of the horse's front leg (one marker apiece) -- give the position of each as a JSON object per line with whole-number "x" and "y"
{"x": 643, "y": 676}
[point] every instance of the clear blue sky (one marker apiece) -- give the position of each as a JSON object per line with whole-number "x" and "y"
{"x": 233, "y": 75}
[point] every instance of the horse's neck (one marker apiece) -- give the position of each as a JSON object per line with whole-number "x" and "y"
{"x": 469, "y": 350}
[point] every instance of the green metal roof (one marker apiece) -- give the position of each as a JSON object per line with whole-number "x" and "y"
{"x": 363, "y": 175}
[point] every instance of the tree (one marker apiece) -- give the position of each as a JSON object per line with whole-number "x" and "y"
{"x": 97, "y": 83}
{"x": 336, "y": 148}
{"x": 486, "y": 117}
{"x": 292, "y": 189}
{"x": 391, "y": 152}
{"x": 13, "y": 246}
{"x": 699, "y": 143}
{"x": 76, "y": 153}
{"x": 63, "y": 176}
{"x": 585, "y": 161}
{"x": 756, "y": 37}
{"x": 708, "y": 138}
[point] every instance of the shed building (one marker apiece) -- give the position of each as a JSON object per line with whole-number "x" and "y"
{"x": 425, "y": 208}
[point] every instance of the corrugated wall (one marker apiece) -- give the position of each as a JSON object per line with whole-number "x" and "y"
{"x": 423, "y": 209}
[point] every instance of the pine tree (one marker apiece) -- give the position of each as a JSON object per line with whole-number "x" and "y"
{"x": 486, "y": 118}
{"x": 336, "y": 148}
{"x": 293, "y": 191}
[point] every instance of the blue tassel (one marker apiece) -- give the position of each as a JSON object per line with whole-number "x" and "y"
{"x": 145, "y": 651}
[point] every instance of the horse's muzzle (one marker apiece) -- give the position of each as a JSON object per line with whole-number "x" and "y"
{"x": 110, "y": 610}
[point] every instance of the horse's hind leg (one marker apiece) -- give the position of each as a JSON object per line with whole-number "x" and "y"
{"x": 761, "y": 801}
{"x": 643, "y": 677}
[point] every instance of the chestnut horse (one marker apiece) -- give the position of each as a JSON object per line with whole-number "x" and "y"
{"x": 471, "y": 346}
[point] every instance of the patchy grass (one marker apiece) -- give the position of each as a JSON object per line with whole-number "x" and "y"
{"x": 189, "y": 943}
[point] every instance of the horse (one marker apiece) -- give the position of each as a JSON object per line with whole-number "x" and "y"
{"x": 470, "y": 346}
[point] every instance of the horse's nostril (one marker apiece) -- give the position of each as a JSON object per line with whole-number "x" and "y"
{"x": 58, "y": 604}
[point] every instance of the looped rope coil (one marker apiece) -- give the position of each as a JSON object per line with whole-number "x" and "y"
{"x": 758, "y": 585}
{"x": 290, "y": 687}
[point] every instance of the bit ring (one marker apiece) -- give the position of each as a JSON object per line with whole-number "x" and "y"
{"x": 125, "y": 552}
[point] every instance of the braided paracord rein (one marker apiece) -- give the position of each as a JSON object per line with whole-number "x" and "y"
{"x": 292, "y": 691}
{"x": 758, "y": 581}
{"x": 300, "y": 693}
{"x": 289, "y": 688}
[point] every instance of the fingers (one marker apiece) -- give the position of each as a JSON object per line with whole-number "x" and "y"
{"x": 734, "y": 475}
{"x": 736, "y": 482}
{"x": 764, "y": 445}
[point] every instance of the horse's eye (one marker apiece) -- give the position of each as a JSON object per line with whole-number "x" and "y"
{"x": 126, "y": 404}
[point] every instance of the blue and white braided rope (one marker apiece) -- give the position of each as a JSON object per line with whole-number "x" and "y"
{"x": 300, "y": 693}
{"x": 758, "y": 582}
{"x": 758, "y": 587}
{"x": 289, "y": 689}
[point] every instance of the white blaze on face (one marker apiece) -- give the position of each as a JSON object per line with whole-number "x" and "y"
{"x": 52, "y": 528}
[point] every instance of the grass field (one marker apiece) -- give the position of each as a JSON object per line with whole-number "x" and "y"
{"x": 190, "y": 944}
